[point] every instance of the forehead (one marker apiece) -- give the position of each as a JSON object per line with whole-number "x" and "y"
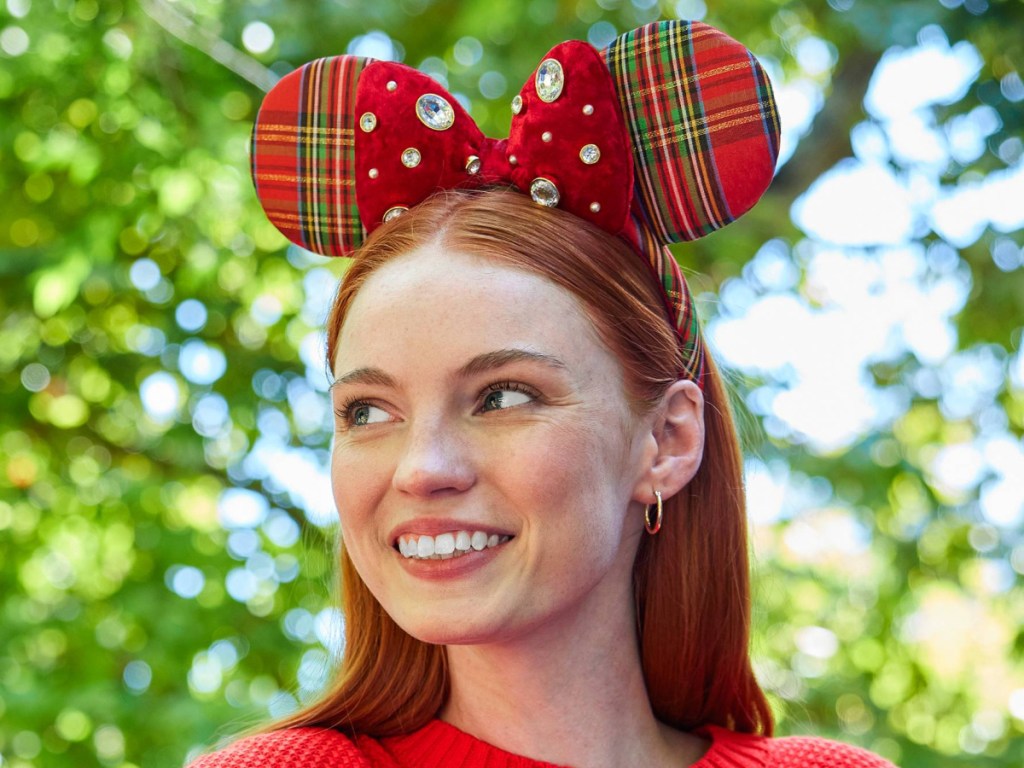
{"x": 446, "y": 302}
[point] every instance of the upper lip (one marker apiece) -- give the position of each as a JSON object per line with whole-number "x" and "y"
{"x": 432, "y": 526}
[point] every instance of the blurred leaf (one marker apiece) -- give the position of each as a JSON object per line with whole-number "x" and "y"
{"x": 133, "y": 254}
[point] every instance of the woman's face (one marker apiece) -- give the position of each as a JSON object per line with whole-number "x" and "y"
{"x": 485, "y": 459}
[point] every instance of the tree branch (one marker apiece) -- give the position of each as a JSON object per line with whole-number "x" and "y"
{"x": 829, "y": 139}
{"x": 218, "y": 49}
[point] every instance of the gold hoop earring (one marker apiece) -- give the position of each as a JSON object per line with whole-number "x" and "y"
{"x": 653, "y": 528}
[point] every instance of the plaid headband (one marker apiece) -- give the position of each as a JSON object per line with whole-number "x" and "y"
{"x": 667, "y": 135}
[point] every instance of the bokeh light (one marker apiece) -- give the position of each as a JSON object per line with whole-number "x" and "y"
{"x": 168, "y": 535}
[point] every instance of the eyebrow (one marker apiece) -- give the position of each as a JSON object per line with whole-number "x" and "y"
{"x": 366, "y": 376}
{"x": 482, "y": 363}
{"x": 501, "y": 357}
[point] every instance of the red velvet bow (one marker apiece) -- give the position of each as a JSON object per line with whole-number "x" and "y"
{"x": 666, "y": 135}
{"x": 575, "y": 145}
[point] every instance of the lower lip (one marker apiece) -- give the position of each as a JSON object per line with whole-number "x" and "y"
{"x": 453, "y": 567}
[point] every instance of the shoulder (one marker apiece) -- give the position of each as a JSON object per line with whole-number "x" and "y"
{"x": 813, "y": 752}
{"x": 745, "y": 750}
{"x": 299, "y": 747}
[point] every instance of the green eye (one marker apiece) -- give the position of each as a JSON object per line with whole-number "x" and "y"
{"x": 362, "y": 414}
{"x": 499, "y": 399}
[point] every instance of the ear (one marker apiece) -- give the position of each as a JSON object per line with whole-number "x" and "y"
{"x": 676, "y": 443}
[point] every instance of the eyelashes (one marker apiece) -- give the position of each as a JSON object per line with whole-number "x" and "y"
{"x": 493, "y": 397}
{"x": 358, "y": 413}
{"x": 498, "y": 396}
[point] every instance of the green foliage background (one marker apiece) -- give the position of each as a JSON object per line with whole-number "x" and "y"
{"x": 123, "y": 137}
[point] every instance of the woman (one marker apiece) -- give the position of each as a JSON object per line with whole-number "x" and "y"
{"x": 538, "y": 480}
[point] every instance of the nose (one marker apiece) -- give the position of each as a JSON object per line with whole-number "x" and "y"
{"x": 435, "y": 460}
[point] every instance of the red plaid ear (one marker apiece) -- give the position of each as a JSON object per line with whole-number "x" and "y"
{"x": 303, "y": 155}
{"x": 703, "y": 124}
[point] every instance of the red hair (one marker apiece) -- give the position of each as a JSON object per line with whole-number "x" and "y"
{"x": 691, "y": 580}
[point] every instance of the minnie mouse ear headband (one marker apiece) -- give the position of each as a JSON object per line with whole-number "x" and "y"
{"x": 666, "y": 135}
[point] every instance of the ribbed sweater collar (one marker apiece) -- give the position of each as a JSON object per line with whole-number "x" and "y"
{"x": 440, "y": 745}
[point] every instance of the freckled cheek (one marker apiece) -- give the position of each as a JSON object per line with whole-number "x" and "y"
{"x": 360, "y": 534}
{"x": 554, "y": 469}
{"x": 356, "y": 486}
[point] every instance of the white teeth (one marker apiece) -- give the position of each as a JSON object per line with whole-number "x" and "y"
{"x": 424, "y": 547}
{"x": 445, "y": 546}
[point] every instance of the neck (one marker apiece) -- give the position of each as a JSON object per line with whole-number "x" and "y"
{"x": 570, "y": 693}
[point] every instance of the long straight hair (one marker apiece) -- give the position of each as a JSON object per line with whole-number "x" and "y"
{"x": 691, "y": 580}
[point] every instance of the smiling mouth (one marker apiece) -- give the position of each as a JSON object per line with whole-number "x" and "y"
{"x": 446, "y": 546}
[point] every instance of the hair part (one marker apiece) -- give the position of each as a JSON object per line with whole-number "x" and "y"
{"x": 692, "y": 583}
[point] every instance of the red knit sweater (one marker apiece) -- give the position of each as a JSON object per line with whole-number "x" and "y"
{"x": 439, "y": 745}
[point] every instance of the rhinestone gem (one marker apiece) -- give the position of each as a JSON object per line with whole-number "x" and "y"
{"x": 517, "y": 104}
{"x": 411, "y": 157}
{"x": 435, "y": 112}
{"x": 546, "y": 136}
{"x": 550, "y": 80}
{"x": 588, "y": 109}
{"x": 394, "y": 212}
{"x": 473, "y": 165}
{"x": 590, "y": 154}
{"x": 374, "y": 173}
{"x": 595, "y": 207}
{"x": 368, "y": 122}
{"x": 544, "y": 192}
{"x": 392, "y": 85}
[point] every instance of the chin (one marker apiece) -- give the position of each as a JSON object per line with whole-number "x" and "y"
{"x": 444, "y": 627}
{"x": 435, "y": 632}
